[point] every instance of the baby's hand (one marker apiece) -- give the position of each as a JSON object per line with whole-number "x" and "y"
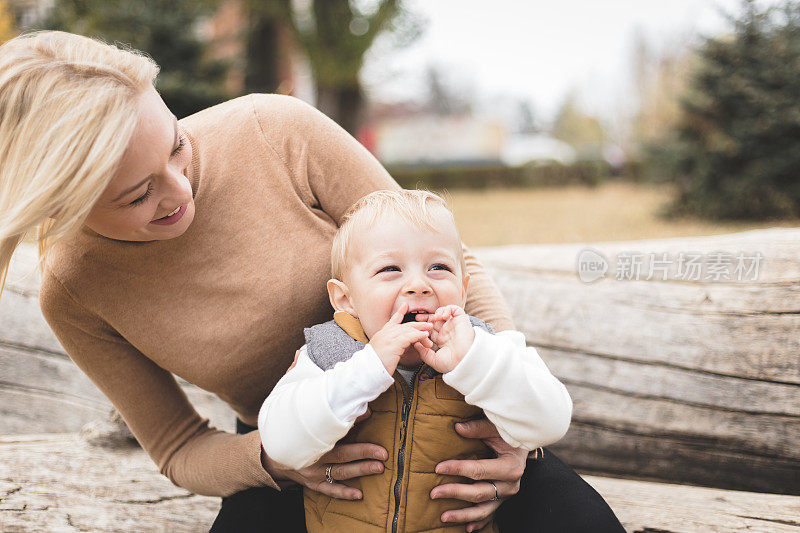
{"x": 452, "y": 332}
{"x": 392, "y": 340}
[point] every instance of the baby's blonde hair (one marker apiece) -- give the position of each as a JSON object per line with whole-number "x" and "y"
{"x": 68, "y": 108}
{"x": 413, "y": 206}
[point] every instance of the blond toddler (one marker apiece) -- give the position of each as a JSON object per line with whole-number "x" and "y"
{"x": 401, "y": 344}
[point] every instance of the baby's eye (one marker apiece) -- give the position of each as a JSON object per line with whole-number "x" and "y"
{"x": 441, "y": 267}
{"x": 389, "y": 269}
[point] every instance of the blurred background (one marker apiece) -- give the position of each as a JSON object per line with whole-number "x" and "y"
{"x": 543, "y": 122}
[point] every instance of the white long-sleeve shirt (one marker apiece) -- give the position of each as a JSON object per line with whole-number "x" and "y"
{"x": 310, "y": 409}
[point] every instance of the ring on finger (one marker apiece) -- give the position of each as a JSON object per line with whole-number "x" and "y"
{"x": 496, "y": 496}
{"x": 329, "y": 479}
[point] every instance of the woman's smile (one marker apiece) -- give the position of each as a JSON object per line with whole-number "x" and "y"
{"x": 172, "y": 217}
{"x": 151, "y": 178}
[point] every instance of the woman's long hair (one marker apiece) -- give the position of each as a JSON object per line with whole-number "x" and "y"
{"x": 68, "y": 108}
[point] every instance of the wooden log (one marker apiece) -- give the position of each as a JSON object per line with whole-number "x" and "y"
{"x": 645, "y": 507}
{"x": 59, "y": 483}
{"x": 41, "y": 390}
{"x": 660, "y": 322}
{"x": 674, "y": 383}
{"x": 638, "y": 455}
{"x": 22, "y": 324}
{"x": 674, "y": 379}
{"x": 690, "y": 380}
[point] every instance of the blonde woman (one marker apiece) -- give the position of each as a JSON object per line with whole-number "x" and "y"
{"x": 200, "y": 248}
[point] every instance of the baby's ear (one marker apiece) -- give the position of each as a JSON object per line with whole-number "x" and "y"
{"x": 339, "y": 295}
{"x": 466, "y": 285}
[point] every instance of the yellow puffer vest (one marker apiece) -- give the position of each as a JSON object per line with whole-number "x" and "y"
{"x": 416, "y": 426}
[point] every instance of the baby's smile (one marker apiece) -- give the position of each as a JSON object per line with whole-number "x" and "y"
{"x": 396, "y": 263}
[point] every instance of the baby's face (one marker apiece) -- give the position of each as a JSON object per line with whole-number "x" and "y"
{"x": 394, "y": 262}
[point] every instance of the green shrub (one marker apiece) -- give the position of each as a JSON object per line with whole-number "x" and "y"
{"x": 736, "y": 154}
{"x": 491, "y": 176}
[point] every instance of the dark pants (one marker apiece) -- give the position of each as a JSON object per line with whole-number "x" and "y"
{"x": 551, "y": 498}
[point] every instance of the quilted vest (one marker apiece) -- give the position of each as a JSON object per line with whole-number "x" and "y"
{"x": 415, "y": 423}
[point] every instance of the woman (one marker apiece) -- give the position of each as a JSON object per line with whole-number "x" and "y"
{"x": 200, "y": 248}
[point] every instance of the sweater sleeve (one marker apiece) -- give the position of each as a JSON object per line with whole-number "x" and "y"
{"x": 309, "y": 409}
{"x": 507, "y": 379}
{"x": 332, "y": 170}
{"x": 189, "y": 452}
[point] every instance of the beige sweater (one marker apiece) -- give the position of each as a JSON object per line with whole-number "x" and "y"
{"x": 224, "y": 304}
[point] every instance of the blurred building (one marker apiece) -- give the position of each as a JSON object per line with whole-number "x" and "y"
{"x": 411, "y": 135}
{"x": 435, "y": 140}
{"x": 522, "y": 149}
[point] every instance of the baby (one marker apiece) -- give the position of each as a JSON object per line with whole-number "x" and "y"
{"x": 401, "y": 343}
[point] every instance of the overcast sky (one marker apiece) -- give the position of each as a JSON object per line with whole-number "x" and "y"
{"x": 539, "y": 50}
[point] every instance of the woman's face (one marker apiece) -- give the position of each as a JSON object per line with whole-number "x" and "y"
{"x": 149, "y": 198}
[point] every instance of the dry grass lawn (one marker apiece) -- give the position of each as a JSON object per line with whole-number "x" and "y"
{"x": 610, "y": 212}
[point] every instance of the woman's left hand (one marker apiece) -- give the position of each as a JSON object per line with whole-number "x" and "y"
{"x": 505, "y": 471}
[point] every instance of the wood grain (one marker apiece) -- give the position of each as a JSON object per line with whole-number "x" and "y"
{"x": 675, "y": 379}
{"x": 59, "y": 483}
{"x": 658, "y": 507}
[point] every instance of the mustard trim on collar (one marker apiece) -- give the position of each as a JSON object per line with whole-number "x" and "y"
{"x": 351, "y": 325}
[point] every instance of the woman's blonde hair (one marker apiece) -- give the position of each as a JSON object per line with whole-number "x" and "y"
{"x": 68, "y": 108}
{"x": 411, "y": 205}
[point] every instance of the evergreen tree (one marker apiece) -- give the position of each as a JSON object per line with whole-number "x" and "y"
{"x": 736, "y": 153}
{"x": 164, "y": 29}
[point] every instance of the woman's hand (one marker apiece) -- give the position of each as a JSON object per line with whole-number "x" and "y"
{"x": 347, "y": 461}
{"x": 505, "y": 471}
